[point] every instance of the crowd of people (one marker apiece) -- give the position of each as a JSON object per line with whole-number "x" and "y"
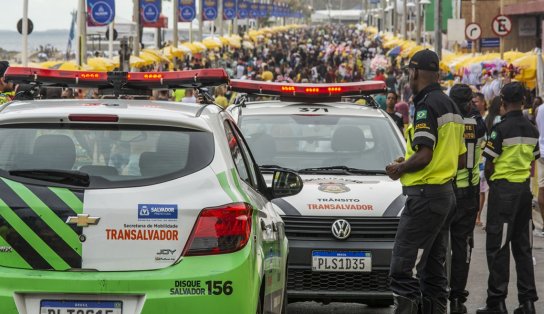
{"x": 488, "y": 115}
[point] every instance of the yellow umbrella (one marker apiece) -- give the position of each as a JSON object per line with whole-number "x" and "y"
{"x": 247, "y": 45}
{"x": 101, "y": 64}
{"x": 157, "y": 54}
{"x": 136, "y": 61}
{"x": 192, "y": 48}
{"x": 527, "y": 65}
{"x": 172, "y": 52}
{"x": 63, "y": 65}
{"x": 212, "y": 43}
{"x": 199, "y": 46}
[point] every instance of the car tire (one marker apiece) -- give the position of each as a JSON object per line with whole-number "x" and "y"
{"x": 379, "y": 303}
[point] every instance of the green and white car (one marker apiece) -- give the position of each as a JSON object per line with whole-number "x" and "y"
{"x": 134, "y": 206}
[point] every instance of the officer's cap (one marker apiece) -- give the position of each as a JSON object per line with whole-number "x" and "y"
{"x": 425, "y": 60}
{"x": 513, "y": 92}
{"x": 461, "y": 93}
{"x": 4, "y": 65}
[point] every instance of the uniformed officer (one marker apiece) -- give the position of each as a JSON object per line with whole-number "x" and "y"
{"x": 434, "y": 145}
{"x": 6, "y": 89}
{"x": 509, "y": 151}
{"x": 467, "y": 194}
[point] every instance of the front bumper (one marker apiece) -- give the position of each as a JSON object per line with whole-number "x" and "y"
{"x": 150, "y": 292}
{"x": 364, "y": 287}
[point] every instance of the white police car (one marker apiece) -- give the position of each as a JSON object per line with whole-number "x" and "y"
{"x": 126, "y": 206}
{"x": 342, "y": 226}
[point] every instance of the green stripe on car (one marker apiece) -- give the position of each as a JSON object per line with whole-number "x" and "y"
{"x": 69, "y": 198}
{"x": 236, "y": 180}
{"x": 223, "y": 181}
{"x": 10, "y": 257}
{"x": 32, "y": 238}
{"x": 46, "y": 214}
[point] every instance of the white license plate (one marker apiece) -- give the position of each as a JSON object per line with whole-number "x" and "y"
{"x": 341, "y": 261}
{"x": 80, "y": 307}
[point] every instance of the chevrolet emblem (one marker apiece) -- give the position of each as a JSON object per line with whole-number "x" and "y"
{"x": 82, "y": 220}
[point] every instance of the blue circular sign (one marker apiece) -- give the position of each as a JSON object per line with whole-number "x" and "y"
{"x": 229, "y": 13}
{"x": 102, "y": 13}
{"x": 242, "y": 14}
{"x": 210, "y": 13}
{"x": 151, "y": 13}
{"x": 187, "y": 13}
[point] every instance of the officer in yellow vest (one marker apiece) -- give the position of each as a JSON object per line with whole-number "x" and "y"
{"x": 509, "y": 151}
{"x": 467, "y": 195}
{"x": 434, "y": 145}
{"x": 6, "y": 89}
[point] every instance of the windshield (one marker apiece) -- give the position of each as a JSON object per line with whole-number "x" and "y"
{"x": 307, "y": 141}
{"x": 102, "y": 156}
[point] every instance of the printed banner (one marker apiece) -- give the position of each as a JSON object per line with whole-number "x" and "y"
{"x": 209, "y": 10}
{"x": 253, "y": 10}
{"x": 229, "y": 9}
{"x": 262, "y": 10}
{"x": 150, "y": 11}
{"x": 100, "y": 12}
{"x": 187, "y": 10}
{"x": 243, "y": 9}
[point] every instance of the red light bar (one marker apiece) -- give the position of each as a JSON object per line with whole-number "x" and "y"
{"x": 93, "y": 118}
{"x": 103, "y": 80}
{"x": 179, "y": 79}
{"x": 56, "y": 77}
{"x": 308, "y": 90}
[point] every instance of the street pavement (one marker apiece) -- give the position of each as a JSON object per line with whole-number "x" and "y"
{"x": 477, "y": 283}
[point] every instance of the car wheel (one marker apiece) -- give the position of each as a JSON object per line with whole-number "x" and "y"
{"x": 380, "y": 303}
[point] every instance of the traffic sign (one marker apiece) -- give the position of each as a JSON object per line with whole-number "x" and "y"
{"x": 473, "y": 31}
{"x": 501, "y": 25}
{"x": 150, "y": 12}
{"x": 20, "y": 26}
{"x": 102, "y": 12}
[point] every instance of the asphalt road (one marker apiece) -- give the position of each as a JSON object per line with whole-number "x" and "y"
{"x": 477, "y": 283}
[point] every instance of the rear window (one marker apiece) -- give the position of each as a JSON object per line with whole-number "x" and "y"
{"x": 112, "y": 156}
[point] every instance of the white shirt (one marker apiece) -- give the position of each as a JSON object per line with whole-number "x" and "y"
{"x": 190, "y": 100}
{"x": 540, "y": 126}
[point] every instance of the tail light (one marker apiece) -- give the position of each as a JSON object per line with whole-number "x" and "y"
{"x": 220, "y": 230}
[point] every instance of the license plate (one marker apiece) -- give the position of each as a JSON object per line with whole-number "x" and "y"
{"x": 80, "y": 307}
{"x": 341, "y": 261}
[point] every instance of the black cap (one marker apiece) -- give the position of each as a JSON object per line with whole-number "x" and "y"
{"x": 425, "y": 60}
{"x": 513, "y": 92}
{"x": 461, "y": 94}
{"x": 4, "y": 65}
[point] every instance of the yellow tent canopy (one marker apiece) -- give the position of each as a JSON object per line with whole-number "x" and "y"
{"x": 212, "y": 42}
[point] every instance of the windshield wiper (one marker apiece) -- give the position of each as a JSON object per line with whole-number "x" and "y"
{"x": 341, "y": 170}
{"x": 271, "y": 168}
{"x": 68, "y": 177}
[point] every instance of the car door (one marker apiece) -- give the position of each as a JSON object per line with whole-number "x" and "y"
{"x": 251, "y": 183}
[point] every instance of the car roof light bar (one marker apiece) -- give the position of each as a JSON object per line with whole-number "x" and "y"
{"x": 125, "y": 83}
{"x": 320, "y": 91}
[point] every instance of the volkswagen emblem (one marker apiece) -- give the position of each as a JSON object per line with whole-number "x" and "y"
{"x": 341, "y": 229}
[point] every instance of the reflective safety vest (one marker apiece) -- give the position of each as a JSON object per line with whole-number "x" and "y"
{"x": 438, "y": 124}
{"x": 470, "y": 176}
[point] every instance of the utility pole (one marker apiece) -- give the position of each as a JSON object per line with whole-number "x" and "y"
{"x": 404, "y": 25}
{"x": 25, "y": 33}
{"x": 175, "y": 18}
{"x": 199, "y": 17}
{"x": 418, "y": 23}
{"x": 81, "y": 55}
{"x": 473, "y": 4}
{"x": 220, "y": 16}
{"x": 395, "y": 17}
{"x": 136, "y": 19}
{"x": 501, "y": 43}
{"x": 438, "y": 27}
{"x": 383, "y": 21}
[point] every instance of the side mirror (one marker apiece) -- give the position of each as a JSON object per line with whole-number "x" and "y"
{"x": 286, "y": 183}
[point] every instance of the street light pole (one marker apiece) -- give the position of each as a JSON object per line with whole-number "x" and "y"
{"x": 136, "y": 19}
{"x": 81, "y": 56}
{"x": 404, "y": 19}
{"x": 473, "y": 4}
{"x": 175, "y": 18}
{"x": 438, "y": 27}
{"x": 25, "y": 33}
{"x": 418, "y": 23}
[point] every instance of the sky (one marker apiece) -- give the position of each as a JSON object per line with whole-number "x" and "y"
{"x": 55, "y": 14}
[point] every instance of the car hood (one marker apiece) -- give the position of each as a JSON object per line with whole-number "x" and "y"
{"x": 348, "y": 196}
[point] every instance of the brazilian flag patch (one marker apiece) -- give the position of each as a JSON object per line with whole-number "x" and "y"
{"x": 493, "y": 135}
{"x": 421, "y": 115}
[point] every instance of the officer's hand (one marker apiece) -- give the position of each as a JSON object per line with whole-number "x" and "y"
{"x": 400, "y": 159}
{"x": 393, "y": 170}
